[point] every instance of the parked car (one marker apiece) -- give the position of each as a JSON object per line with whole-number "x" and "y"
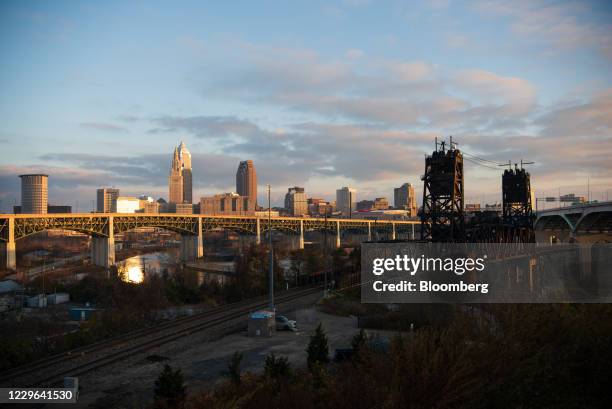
{"x": 285, "y": 324}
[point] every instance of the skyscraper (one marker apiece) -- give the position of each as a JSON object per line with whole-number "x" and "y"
{"x": 107, "y": 200}
{"x": 175, "y": 180}
{"x": 246, "y": 180}
{"x": 403, "y": 198}
{"x": 295, "y": 201}
{"x": 34, "y": 193}
{"x": 346, "y": 200}
{"x": 185, "y": 158}
{"x": 180, "y": 181}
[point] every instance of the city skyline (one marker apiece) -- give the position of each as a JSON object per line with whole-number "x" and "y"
{"x": 315, "y": 109}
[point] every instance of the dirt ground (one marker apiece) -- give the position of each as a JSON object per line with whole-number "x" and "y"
{"x": 203, "y": 359}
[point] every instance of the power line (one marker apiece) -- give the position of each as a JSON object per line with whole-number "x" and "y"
{"x": 481, "y": 164}
{"x": 480, "y": 159}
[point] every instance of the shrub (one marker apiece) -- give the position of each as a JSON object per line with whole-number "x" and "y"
{"x": 170, "y": 388}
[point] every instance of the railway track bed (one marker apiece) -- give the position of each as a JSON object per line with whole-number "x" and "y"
{"x": 77, "y": 362}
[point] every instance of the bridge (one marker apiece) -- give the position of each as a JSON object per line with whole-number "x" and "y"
{"x": 583, "y": 218}
{"x": 103, "y": 226}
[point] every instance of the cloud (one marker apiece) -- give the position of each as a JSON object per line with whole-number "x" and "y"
{"x": 102, "y": 126}
{"x": 457, "y": 40}
{"x": 385, "y": 92}
{"x": 591, "y": 119}
{"x": 562, "y": 25}
{"x": 205, "y": 126}
{"x": 516, "y": 95}
{"x": 353, "y": 54}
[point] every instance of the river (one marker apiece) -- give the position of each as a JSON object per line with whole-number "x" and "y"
{"x": 134, "y": 269}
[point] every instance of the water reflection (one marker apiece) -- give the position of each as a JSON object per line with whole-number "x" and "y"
{"x": 135, "y": 269}
{"x": 134, "y": 273}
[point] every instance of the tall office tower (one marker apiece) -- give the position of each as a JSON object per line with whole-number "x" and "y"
{"x": 185, "y": 158}
{"x": 175, "y": 180}
{"x": 404, "y": 198}
{"x": 346, "y": 200}
{"x": 34, "y": 193}
{"x": 295, "y": 201}
{"x": 106, "y": 200}
{"x": 246, "y": 180}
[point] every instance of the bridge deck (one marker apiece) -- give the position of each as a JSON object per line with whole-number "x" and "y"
{"x": 215, "y": 216}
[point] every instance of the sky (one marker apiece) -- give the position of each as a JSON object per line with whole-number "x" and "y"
{"x": 318, "y": 94}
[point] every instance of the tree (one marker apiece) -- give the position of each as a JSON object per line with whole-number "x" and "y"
{"x": 170, "y": 388}
{"x": 359, "y": 341}
{"x": 297, "y": 264}
{"x": 277, "y": 368}
{"x": 233, "y": 368}
{"x": 318, "y": 349}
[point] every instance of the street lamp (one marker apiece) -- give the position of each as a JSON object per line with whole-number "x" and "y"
{"x": 271, "y": 272}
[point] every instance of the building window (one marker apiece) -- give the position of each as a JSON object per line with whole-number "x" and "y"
{"x": 234, "y": 204}
{"x": 222, "y": 202}
{"x": 245, "y": 203}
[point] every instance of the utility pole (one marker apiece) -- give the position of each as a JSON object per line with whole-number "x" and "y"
{"x": 271, "y": 272}
{"x": 588, "y": 189}
{"x": 325, "y": 256}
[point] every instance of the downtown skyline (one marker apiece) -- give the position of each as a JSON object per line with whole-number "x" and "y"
{"x": 322, "y": 100}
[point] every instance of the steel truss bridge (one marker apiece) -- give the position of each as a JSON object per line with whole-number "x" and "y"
{"x": 103, "y": 227}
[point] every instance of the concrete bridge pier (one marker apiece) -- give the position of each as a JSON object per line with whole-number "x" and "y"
{"x": 192, "y": 246}
{"x": 337, "y": 234}
{"x": 103, "y": 247}
{"x": 258, "y": 240}
{"x": 369, "y": 231}
{"x": 393, "y": 231}
{"x": 103, "y": 251}
{"x": 8, "y": 247}
{"x": 301, "y": 244}
{"x": 412, "y": 232}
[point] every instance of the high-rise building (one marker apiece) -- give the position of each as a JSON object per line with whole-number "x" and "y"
{"x": 183, "y": 208}
{"x": 246, "y": 180}
{"x": 365, "y": 205}
{"x": 34, "y": 193}
{"x": 404, "y": 198}
{"x": 151, "y": 207}
{"x": 346, "y": 200}
{"x": 227, "y": 204}
{"x": 175, "y": 180}
{"x": 381, "y": 203}
{"x": 185, "y": 158}
{"x": 295, "y": 201}
{"x": 318, "y": 207}
{"x": 106, "y": 200}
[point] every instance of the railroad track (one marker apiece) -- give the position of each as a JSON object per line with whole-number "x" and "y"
{"x": 50, "y": 371}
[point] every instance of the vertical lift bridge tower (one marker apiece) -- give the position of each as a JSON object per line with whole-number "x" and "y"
{"x": 442, "y": 218}
{"x": 517, "y": 208}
